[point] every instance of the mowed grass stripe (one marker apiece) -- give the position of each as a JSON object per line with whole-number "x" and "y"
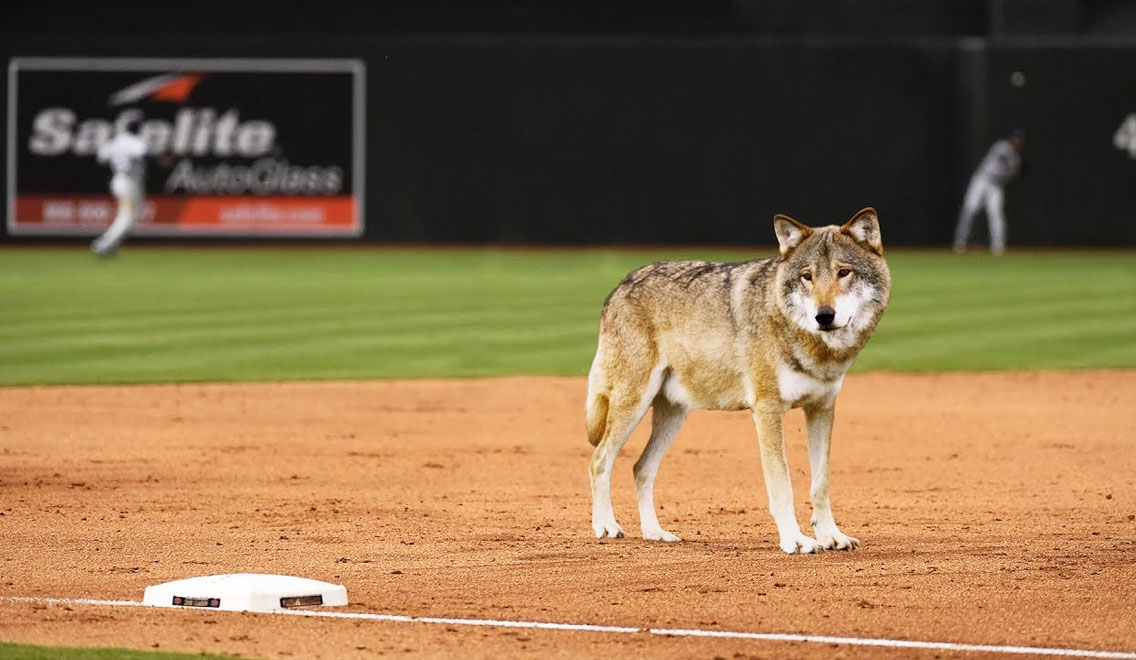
{"x": 265, "y": 314}
{"x": 1053, "y": 347}
{"x": 344, "y": 347}
{"x": 330, "y": 322}
{"x": 996, "y": 295}
{"x": 278, "y": 353}
{"x": 283, "y": 313}
{"x": 1021, "y": 315}
{"x": 347, "y": 357}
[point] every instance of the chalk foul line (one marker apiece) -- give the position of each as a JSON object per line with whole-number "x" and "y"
{"x": 627, "y": 630}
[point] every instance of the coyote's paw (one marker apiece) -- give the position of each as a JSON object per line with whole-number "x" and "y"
{"x": 660, "y": 534}
{"x": 837, "y": 540}
{"x": 609, "y": 529}
{"x": 801, "y": 545}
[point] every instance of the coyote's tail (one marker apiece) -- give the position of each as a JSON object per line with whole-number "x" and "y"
{"x": 597, "y": 416}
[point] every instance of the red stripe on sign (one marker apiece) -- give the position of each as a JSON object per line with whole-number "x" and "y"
{"x": 178, "y": 90}
{"x": 196, "y": 215}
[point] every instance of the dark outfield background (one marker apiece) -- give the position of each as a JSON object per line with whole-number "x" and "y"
{"x": 623, "y": 122}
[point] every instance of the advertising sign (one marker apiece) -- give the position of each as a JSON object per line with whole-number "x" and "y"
{"x": 252, "y": 147}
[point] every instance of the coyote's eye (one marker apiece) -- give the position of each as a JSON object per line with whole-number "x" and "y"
{"x": 808, "y": 277}
{"x": 843, "y": 272}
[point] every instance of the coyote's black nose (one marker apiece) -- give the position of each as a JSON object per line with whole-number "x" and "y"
{"x": 825, "y": 315}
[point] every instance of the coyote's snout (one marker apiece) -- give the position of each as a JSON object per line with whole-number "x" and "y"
{"x": 763, "y": 336}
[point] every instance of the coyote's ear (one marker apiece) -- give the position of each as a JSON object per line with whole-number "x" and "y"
{"x": 864, "y": 228}
{"x": 789, "y": 232}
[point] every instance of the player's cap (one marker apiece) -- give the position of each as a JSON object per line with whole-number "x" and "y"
{"x": 1018, "y": 134}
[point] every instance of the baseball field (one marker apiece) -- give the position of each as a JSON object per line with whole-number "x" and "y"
{"x": 409, "y": 423}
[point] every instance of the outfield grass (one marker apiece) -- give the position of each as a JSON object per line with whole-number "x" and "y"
{"x": 283, "y": 313}
{"x": 26, "y": 652}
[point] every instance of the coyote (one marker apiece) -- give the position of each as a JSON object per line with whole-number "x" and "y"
{"x": 763, "y": 336}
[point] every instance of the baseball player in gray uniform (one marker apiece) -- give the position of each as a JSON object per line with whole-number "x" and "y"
{"x": 1001, "y": 164}
{"x": 125, "y": 153}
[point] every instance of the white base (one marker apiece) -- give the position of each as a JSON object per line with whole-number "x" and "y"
{"x": 245, "y": 592}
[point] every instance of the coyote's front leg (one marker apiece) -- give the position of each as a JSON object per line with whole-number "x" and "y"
{"x": 818, "y": 420}
{"x": 769, "y": 420}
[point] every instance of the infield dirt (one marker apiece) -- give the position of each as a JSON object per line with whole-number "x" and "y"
{"x": 993, "y": 509}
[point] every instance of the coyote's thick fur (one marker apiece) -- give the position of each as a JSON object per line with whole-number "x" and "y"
{"x": 763, "y": 336}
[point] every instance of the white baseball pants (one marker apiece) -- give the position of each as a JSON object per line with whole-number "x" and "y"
{"x": 128, "y": 192}
{"x": 982, "y": 192}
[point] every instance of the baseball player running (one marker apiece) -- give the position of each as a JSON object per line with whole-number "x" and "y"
{"x": 1000, "y": 166}
{"x": 125, "y": 153}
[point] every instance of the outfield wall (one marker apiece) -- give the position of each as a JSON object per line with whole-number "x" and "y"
{"x": 662, "y": 139}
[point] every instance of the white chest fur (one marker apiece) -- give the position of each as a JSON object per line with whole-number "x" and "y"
{"x": 799, "y": 388}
